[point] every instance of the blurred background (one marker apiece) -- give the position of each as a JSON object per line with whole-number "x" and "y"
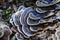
{"x": 7, "y": 7}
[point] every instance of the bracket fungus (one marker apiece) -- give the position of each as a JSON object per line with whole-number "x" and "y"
{"x": 5, "y": 31}
{"x": 31, "y": 22}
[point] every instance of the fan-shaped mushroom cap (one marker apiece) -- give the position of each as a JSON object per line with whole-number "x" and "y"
{"x": 44, "y": 3}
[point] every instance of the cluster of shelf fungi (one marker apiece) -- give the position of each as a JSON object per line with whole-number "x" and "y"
{"x": 34, "y": 23}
